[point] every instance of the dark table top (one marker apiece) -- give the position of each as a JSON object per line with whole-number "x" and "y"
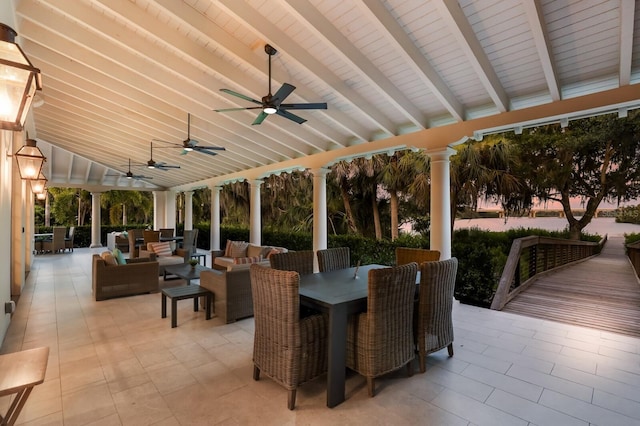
{"x": 185, "y": 271}
{"x": 335, "y": 287}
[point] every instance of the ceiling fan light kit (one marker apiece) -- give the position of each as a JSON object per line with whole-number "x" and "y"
{"x": 272, "y": 104}
{"x": 189, "y": 145}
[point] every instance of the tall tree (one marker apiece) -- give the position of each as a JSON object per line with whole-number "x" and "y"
{"x": 591, "y": 160}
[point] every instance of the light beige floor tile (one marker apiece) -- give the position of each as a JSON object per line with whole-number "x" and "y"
{"x": 141, "y": 405}
{"x": 87, "y": 405}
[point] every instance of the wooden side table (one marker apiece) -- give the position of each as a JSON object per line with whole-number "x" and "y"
{"x": 19, "y": 373}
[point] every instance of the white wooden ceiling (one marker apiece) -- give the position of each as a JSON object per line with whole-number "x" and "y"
{"x": 119, "y": 73}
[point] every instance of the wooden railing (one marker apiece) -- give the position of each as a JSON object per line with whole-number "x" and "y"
{"x": 633, "y": 251}
{"x": 531, "y": 256}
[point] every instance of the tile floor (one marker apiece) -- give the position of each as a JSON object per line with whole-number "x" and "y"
{"x": 117, "y": 362}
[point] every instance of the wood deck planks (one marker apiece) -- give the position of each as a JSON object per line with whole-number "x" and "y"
{"x": 601, "y": 293}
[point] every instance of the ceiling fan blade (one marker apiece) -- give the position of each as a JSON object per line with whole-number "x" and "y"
{"x": 235, "y": 109}
{"x": 204, "y": 151}
{"x": 290, "y": 116}
{"x": 241, "y": 96}
{"x": 282, "y": 93}
{"x": 319, "y": 105}
{"x": 260, "y": 118}
{"x": 213, "y": 148}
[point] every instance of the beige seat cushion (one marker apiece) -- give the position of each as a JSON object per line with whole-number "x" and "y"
{"x": 108, "y": 258}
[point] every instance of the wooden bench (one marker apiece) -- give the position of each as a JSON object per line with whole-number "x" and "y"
{"x": 181, "y": 293}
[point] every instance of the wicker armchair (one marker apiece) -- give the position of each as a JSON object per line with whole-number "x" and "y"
{"x": 232, "y": 293}
{"x": 333, "y": 259}
{"x": 289, "y": 350}
{"x": 381, "y": 340}
{"x": 299, "y": 261}
{"x": 406, "y": 255}
{"x": 434, "y": 328}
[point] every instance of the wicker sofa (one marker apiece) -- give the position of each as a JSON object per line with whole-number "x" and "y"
{"x": 174, "y": 257}
{"x": 137, "y": 276}
{"x": 250, "y": 253}
{"x": 232, "y": 292}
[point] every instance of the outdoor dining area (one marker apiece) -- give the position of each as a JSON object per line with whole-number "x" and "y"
{"x": 372, "y": 319}
{"x": 61, "y": 239}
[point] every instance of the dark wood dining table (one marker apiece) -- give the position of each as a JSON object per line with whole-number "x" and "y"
{"x": 339, "y": 293}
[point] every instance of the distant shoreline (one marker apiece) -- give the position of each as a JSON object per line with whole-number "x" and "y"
{"x": 600, "y": 226}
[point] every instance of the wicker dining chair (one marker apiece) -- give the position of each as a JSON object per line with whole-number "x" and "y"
{"x": 133, "y": 235}
{"x": 190, "y": 240}
{"x": 289, "y": 350}
{"x": 434, "y": 329}
{"x": 406, "y": 255}
{"x": 56, "y": 243}
{"x": 334, "y": 258}
{"x": 150, "y": 237}
{"x": 167, "y": 232}
{"x": 68, "y": 240}
{"x": 381, "y": 340}
{"x": 299, "y": 261}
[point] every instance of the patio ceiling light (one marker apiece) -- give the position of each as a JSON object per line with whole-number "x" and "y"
{"x": 41, "y": 195}
{"x": 30, "y": 160}
{"x": 19, "y": 80}
{"x": 38, "y": 185}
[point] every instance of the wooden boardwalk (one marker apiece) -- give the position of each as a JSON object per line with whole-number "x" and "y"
{"x": 601, "y": 293}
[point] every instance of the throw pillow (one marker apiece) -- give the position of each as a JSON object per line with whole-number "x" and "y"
{"x": 119, "y": 256}
{"x": 246, "y": 260}
{"x": 273, "y": 251}
{"x": 161, "y": 249}
{"x": 227, "y": 249}
{"x": 254, "y": 250}
{"x": 239, "y": 249}
{"x": 108, "y": 258}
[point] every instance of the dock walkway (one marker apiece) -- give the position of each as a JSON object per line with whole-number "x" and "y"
{"x": 601, "y": 293}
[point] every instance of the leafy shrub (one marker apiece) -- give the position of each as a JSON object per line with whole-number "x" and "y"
{"x": 629, "y": 214}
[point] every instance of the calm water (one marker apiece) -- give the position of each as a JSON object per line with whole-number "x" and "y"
{"x": 600, "y": 226}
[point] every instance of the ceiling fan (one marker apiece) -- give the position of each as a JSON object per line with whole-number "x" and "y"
{"x": 189, "y": 144}
{"x": 272, "y": 104}
{"x": 151, "y": 164}
{"x": 130, "y": 175}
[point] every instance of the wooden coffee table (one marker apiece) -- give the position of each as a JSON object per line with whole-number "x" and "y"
{"x": 184, "y": 271}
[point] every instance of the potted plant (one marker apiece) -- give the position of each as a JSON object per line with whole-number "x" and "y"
{"x": 193, "y": 263}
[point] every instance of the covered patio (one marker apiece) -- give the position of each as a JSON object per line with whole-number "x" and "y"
{"x": 424, "y": 75}
{"x": 118, "y": 362}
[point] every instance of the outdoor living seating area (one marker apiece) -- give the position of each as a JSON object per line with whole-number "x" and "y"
{"x": 117, "y": 361}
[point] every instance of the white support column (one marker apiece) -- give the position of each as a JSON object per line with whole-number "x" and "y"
{"x": 188, "y": 210}
{"x": 319, "y": 212}
{"x": 170, "y": 210}
{"x": 159, "y": 206}
{"x": 214, "y": 232}
{"x": 441, "y": 202}
{"x": 29, "y": 230}
{"x": 255, "y": 225}
{"x": 95, "y": 220}
{"x": 20, "y": 192}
